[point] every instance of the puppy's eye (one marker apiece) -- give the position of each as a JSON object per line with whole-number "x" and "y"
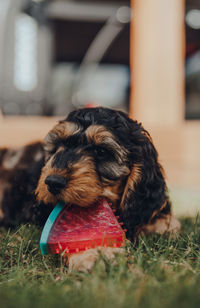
{"x": 48, "y": 155}
{"x": 102, "y": 152}
{"x": 51, "y": 152}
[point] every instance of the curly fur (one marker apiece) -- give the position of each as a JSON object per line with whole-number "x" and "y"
{"x": 101, "y": 153}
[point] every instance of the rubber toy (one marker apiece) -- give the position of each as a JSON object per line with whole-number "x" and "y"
{"x": 72, "y": 229}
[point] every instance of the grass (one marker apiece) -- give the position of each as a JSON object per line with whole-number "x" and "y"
{"x": 161, "y": 271}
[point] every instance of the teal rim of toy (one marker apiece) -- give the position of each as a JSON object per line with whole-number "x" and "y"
{"x": 48, "y": 225}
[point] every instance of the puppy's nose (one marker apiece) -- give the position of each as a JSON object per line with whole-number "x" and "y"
{"x": 55, "y": 183}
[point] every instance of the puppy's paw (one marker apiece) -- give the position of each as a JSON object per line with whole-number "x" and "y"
{"x": 165, "y": 224}
{"x": 85, "y": 261}
{"x": 109, "y": 253}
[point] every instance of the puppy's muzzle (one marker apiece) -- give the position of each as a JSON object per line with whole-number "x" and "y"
{"x": 55, "y": 183}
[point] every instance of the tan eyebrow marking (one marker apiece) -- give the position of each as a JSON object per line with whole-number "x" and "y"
{"x": 65, "y": 129}
{"x": 100, "y": 135}
{"x": 60, "y": 131}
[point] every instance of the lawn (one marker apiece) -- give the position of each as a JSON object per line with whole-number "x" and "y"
{"x": 159, "y": 271}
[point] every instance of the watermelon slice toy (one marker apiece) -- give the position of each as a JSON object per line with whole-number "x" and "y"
{"x": 71, "y": 229}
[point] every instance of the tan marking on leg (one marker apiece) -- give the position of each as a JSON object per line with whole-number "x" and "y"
{"x": 167, "y": 223}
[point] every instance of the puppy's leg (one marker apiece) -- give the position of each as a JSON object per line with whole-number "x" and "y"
{"x": 164, "y": 224}
{"x": 85, "y": 261}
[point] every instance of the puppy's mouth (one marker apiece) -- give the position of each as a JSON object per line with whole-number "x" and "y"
{"x": 80, "y": 191}
{"x": 82, "y": 199}
{"x": 88, "y": 198}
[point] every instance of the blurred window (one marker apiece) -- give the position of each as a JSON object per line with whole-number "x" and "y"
{"x": 25, "y": 58}
{"x": 58, "y": 55}
{"x": 3, "y": 6}
{"x": 107, "y": 85}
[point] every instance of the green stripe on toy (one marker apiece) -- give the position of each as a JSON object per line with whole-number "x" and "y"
{"x": 48, "y": 226}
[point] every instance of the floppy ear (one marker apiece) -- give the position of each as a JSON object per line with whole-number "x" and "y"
{"x": 145, "y": 193}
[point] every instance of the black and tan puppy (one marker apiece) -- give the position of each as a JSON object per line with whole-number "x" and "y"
{"x": 92, "y": 154}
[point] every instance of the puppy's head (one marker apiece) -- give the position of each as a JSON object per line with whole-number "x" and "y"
{"x": 101, "y": 153}
{"x": 85, "y": 159}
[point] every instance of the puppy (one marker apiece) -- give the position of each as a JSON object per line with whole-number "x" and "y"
{"x": 92, "y": 154}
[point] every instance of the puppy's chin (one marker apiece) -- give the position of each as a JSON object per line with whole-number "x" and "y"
{"x": 47, "y": 198}
{"x": 82, "y": 199}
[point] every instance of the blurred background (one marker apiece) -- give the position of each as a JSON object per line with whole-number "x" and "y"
{"x": 57, "y": 55}
{"x": 139, "y": 56}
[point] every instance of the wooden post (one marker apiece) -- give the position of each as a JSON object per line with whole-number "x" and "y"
{"x": 157, "y": 62}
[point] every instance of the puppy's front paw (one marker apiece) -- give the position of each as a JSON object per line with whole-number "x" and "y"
{"x": 85, "y": 261}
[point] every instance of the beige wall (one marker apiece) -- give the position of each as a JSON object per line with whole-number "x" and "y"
{"x": 157, "y": 87}
{"x": 17, "y": 131}
{"x": 157, "y": 62}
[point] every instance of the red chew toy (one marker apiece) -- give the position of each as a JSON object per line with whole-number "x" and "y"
{"x": 77, "y": 229}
